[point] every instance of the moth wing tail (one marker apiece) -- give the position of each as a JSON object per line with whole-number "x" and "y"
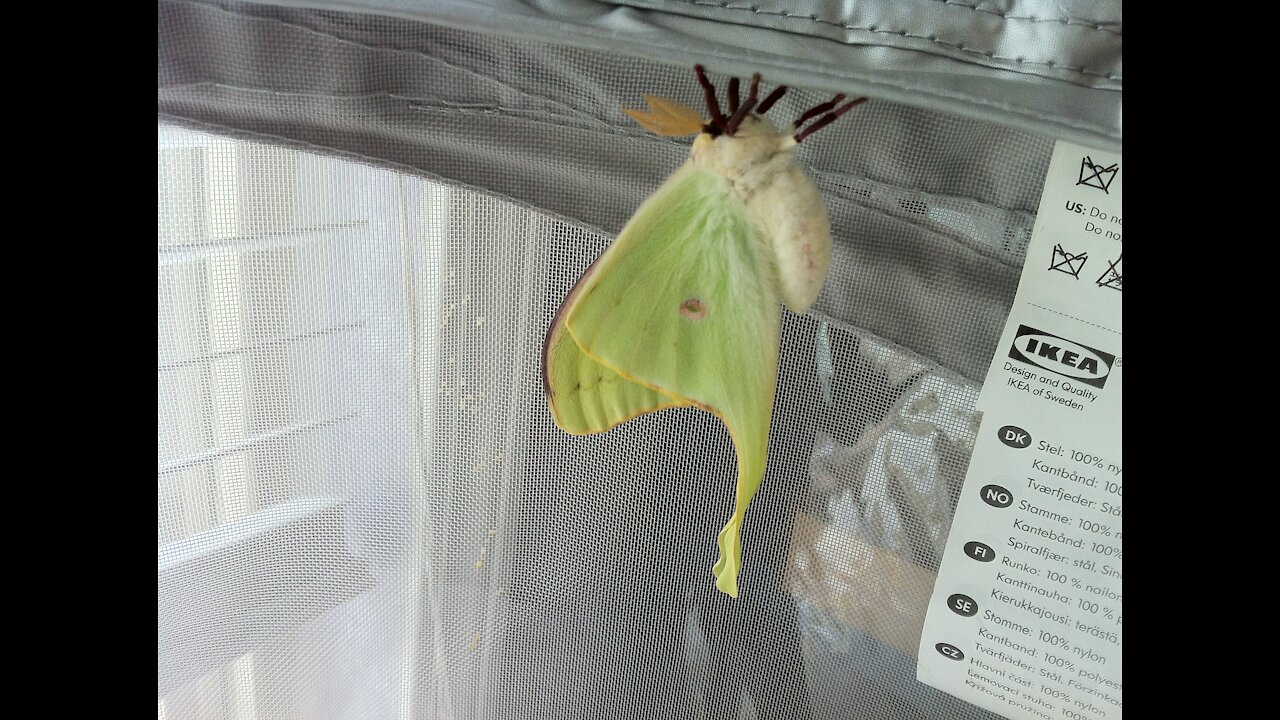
{"x": 684, "y": 303}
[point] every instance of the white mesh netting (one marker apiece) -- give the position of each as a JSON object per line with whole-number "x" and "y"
{"x": 365, "y": 510}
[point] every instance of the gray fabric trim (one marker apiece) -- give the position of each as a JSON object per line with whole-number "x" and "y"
{"x": 540, "y": 125}
{"x": 1079, "y": 45}
{"x": 1044, "y": 67}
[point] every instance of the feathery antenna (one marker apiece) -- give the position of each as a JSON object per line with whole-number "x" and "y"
{"x": 826, "y": 112}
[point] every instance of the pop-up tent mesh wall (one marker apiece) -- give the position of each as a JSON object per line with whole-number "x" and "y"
{"x": 369, "y": 213}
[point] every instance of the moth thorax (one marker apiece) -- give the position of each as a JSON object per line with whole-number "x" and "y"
{"x": 756, "y": 141}
{"x": 748, "y": 159}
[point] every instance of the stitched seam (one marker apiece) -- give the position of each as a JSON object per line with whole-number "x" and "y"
{"x": 533, "y": 115}
{"x": 978, "y": 248}
{"x": 417, "y": 103}
{"x": 1084, "y": 70}
{"x": 1107, "y": 28}
{"x": 1032, "y": 18}
{"x": 868, "y": 80}
{"x": 517, "y": 114}
{"x": 1073, "y": 317}
{"x": 408, "y": 51}
{"x": 834, "y": 177}
{"x": 831, "y": 177}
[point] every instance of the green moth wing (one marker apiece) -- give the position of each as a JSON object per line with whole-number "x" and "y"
{"x": 585, "y": 396}
{"x": 681, "y": 310}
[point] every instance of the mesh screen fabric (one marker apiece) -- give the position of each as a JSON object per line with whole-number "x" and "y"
{"x": 365, "y": 510}
{"x": 541, "y": 124}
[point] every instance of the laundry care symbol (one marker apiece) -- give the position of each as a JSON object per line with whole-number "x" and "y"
{"x": 1097, "y": 176}
{"x": 1112, "y": 277}
{"x": 1065, "y": 262}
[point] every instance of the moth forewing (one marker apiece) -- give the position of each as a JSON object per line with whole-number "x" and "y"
{"x": 682, "y": 309}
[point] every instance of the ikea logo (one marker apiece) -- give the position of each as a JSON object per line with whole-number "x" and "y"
{"x": 1061, "y": 356}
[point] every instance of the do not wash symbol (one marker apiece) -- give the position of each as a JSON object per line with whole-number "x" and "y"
{"x": 1112, "y": 277}
{"x": 1069, "y": 263}
{"x": 1097, "y": 176}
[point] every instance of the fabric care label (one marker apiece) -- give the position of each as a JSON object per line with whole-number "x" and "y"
{"x": 1025, "y": 618}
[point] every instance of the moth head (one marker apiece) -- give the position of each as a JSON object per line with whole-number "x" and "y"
{"x": 672, "y": 118}
{"x": 754, "y": 126}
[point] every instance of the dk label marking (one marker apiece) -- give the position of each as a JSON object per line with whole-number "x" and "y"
{"x": 1061, "y": 356}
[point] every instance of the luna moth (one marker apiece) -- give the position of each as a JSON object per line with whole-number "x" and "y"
{"x": 682, "y": 309}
